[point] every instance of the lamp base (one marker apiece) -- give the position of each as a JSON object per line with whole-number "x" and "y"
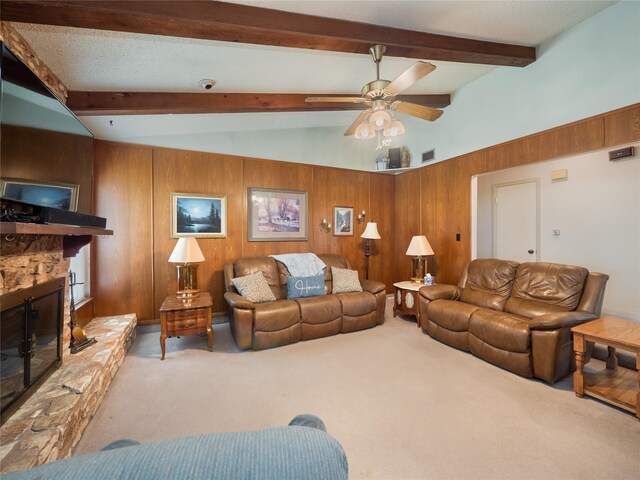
{"x": 419, "y": 269}
{"x": 187, "y": 281}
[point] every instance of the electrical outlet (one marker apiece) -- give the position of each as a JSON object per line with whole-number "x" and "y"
{"x": 556, "y": 232}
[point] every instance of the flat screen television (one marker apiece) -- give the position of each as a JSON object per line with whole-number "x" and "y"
{"x": 46, "y": 151}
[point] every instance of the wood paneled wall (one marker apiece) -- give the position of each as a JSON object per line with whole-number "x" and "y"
{"x": 133, "y": 183}
{"x": 124, "y": 261}
{"x": 436, "y": 200}
{"x": 133, "y": 274}
{"x": 49, "y": 156}
{"x": 191, "y": 172}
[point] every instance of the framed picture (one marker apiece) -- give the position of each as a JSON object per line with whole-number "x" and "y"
{"x": 198, "y": 215}
{"x": 343, "y": 221}
{"x": 277, "y": 215}
{"x": 45, "y": 194}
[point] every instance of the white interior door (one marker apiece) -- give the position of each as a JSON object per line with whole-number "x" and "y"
{"x": 515, "y": 221}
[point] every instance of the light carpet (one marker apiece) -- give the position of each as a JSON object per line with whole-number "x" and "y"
{"x": 403, "y": 405}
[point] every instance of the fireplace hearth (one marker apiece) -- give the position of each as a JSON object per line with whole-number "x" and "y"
{"x": 31, "y": 325}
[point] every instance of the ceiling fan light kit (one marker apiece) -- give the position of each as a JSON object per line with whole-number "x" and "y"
{"x": 379, "y": 96}
{"x": 364, "y": 131}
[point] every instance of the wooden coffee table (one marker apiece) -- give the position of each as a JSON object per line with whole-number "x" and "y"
{"x": 616, "y": 385}
{"x": 180, "y": 317}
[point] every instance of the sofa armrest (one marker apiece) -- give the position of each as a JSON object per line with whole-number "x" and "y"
{"x": 440, "y": 292}
{"x": 238, "y": 301}
{"x": 372, "y": 286}
{"x": 553, "y": 321}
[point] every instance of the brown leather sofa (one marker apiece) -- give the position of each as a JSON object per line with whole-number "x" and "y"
{"x": 516, "y": 316}
{"x": 281, "y": 322}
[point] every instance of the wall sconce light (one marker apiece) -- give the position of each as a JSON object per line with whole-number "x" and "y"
{"x": 362, "y": 216}
{"x": 325, "y": 226}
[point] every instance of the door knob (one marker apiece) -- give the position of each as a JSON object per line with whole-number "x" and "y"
{"x": 529, "y": 251}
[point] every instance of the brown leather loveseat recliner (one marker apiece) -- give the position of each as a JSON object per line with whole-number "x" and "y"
{"x": 516, "y": 316}
{"x": 281, "y": 322}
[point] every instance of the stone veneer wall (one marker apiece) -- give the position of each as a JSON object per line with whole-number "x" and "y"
{"x": 51, "y": 422}
{"x": 28, "y": 260}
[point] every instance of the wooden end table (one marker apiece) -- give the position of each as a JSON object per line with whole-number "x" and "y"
{"x": 180, "y": 317}
{"x": 406, "y": 299}
{"x": 616, "y": 385}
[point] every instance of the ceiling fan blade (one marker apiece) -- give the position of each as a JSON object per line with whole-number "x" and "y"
{"x": 335, "y": 99}
{"x": 352, "y": 129}
{"x": 419, "y": 111}
{"x": 410, "y": 76}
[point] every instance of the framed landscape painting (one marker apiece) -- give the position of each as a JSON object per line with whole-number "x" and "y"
{"x": 45, "y": 194}
{"x": 277, "y": 215}
{"x": 343, "y": 221}
{"x": 198, "y": 215}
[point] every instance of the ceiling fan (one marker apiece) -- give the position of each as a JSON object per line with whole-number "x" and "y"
{"x": 379, "y": 97}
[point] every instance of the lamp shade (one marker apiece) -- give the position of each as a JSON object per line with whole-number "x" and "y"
{"x": 419, "y": 247}
{"x": 186, "y": 250}
{"x": 364, "y": 131}
{"x": 396, "y": 128}
{"x": 379, "y": 120}
{"x": 371, "y": 232}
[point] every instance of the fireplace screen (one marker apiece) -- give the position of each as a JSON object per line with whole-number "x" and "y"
{"x": 31, "y": 340}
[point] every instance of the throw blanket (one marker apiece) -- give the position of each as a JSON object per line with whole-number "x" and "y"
{"x": 301, "y": 264}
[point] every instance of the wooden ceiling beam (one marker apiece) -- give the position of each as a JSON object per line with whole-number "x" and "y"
{"x": 156, "y": 103}
{"x": 214, "y": 20}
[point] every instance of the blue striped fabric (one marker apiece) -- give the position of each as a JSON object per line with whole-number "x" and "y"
{"x": 280, "y": 453}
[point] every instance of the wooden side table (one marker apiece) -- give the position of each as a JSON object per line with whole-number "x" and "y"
{"x": 616, "y": 385}
{"x": 180, "y": 317}
{"x": 406, "y": 299}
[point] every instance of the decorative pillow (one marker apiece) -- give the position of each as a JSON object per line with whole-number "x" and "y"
{"x": 298, "y": 287}
{"x": 345, "y": 280}
{"x": 254, "y": 287}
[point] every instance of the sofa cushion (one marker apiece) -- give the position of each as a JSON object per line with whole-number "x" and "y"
{"x": 291, "y": 452}
{"x": 345, "y": 281}
{"x": 320, "y": 316}
{"x": 254, "y": 287}
{"x": 300, "y": 287}
{"x": 357, "y": 303}
{"x": 332, "y": 260}
{"x": 450, "y": 314}
{"x": 489, "y": 283}
{"x": 276, "y": 315}
{"x": 269, "y": 268}
{"x": 515, "y": 362}
{"x": 358, "y": 311}
{"x": 541, "y": 288}
{"x": 501, "y": 330}
{"x": 319, "y": 309}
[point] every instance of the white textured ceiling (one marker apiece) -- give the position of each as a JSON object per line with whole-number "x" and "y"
{"x": 98, "y": 60}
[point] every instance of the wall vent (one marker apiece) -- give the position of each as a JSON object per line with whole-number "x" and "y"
{"x": 428, "y": 156}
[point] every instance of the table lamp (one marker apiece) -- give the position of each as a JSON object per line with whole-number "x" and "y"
{"x": 187, "y": 255}
{"x": 419, "y": 248}
{"x": 370, "y": 233}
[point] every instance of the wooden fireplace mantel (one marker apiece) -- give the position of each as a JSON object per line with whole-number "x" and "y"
{"x": 74, "y": 237}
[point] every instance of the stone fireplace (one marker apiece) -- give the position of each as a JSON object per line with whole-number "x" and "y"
{"x": 29, "y": 260}
{"x": 52, "y": 420}
{"x": 31, "y": 340}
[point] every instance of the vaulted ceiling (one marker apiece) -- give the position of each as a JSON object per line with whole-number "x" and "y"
{"x": 259, "y": 59}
